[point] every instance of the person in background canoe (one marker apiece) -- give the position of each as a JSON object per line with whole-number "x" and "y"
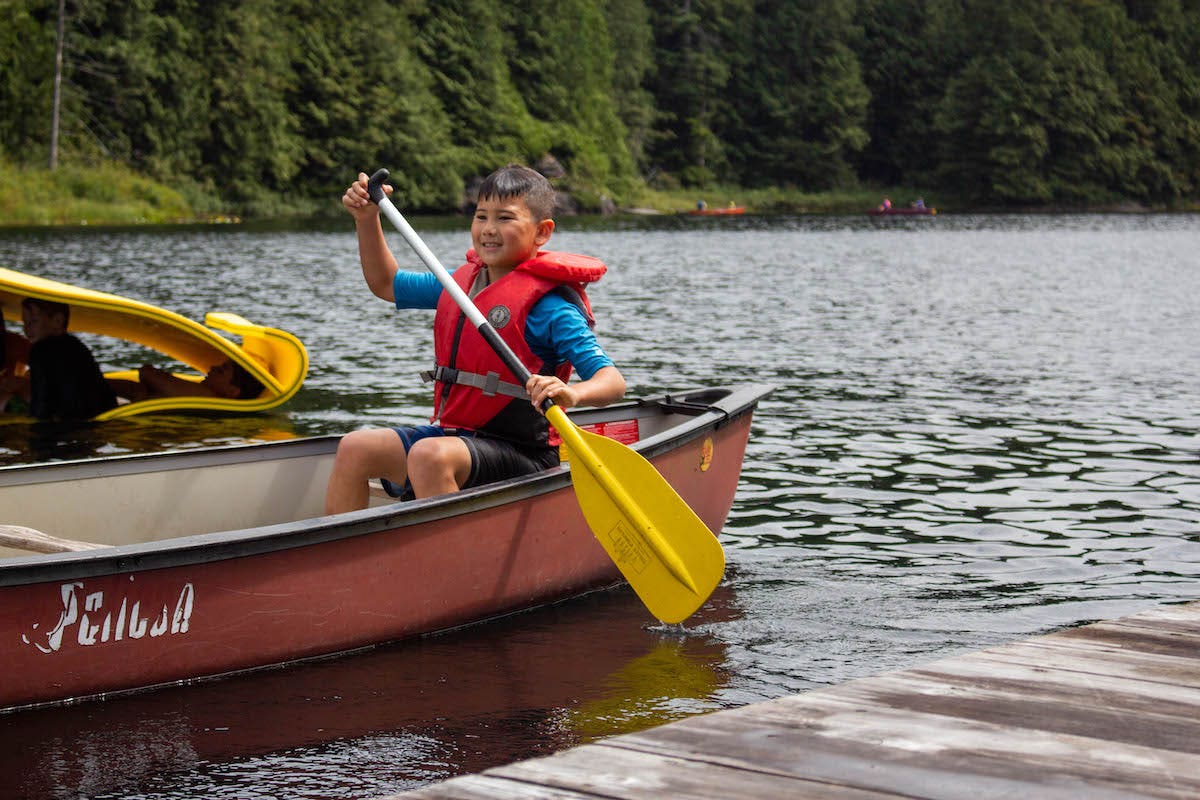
{"x": 485, "y": 427}
{"x": 701, "y": 205}
{"x": 919, "y": 203}
{"x": 228, "y": 379}
{"x": 886, "y": 205}
{"x": 14, "y": 357}
{"x": 64, "y": 380}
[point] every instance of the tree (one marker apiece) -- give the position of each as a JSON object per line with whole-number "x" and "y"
{"x": 254, "y": 145}
{"x": 1032, "y": 116}
{"x": 148, "y": 83}
{"x": 904, "y": 75}
{"x": 692, "y": 40}
{"x": 364, "y": 99}
{"x": 633, "y": 67}
{"x": 26, "y": 78}
{"x": 563, "y": 68}
{"x": 463, "y": 47}
{"x": 797, "y": 96}
{"x": 1146, "y": 53}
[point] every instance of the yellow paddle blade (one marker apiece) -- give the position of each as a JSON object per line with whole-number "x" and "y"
{"x": 668, "y": 555}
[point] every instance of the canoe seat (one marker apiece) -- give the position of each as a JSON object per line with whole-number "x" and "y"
{"x": 23, "y": 538}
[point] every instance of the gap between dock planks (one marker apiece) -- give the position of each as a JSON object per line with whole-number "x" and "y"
{"x": 1108, "y": 710}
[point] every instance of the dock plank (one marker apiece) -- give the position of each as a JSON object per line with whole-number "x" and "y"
{"x": 985, "y": 669}
{"x": 1038, "y": 711}
{"x": 1107, "y": 710}
{"x": 1143, "y": 712}
{"x": 1088, "y": 659}
{"x": 638, "y": 775}
{"x": 924, "y": 755}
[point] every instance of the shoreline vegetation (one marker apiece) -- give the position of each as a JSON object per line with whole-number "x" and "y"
{"x": 264, "y": 111}
{"x": 109, "y": 194}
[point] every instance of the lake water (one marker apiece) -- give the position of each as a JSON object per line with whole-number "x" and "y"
{"x": 984, "y": 428}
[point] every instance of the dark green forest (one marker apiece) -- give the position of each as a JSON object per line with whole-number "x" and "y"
{"x": 1015, "y": 103}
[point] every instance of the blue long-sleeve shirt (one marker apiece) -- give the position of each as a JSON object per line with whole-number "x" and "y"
{"x": 555, "y": 330}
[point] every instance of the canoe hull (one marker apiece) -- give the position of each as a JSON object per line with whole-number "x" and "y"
{"x": 133, "y": 617}
{"x": 718, "y": 212}
{"x": 126, "y": 630}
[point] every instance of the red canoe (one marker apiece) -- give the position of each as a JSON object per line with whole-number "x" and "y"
{"x": 717, "y": 212}
{"x": 903, "y": 211}
{"x": 216, "y": 561}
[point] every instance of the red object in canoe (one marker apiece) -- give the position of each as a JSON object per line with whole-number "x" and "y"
{"x": 217, "y": 561}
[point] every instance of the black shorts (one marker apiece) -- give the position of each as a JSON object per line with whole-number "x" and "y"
{"x": 491, "y": 459}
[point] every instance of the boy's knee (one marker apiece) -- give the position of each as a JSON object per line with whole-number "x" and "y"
{"x": 425, "y": 451}
{"x": 352, "y": 444}
{"x": 435, "y": 453}
{"x": 367, "y": 446}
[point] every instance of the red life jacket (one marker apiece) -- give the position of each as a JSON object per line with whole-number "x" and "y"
{"x": 473, "y": 387}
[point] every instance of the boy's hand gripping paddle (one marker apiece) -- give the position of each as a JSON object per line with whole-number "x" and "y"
{"x": 666, "y": 553}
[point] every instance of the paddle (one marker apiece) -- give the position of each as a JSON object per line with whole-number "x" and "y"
{"x": 666, "y": 553}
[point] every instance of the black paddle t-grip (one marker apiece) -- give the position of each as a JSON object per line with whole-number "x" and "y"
{"x": 375, "y": 186}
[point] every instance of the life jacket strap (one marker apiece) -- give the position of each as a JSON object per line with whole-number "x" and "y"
{"x": 489, "y": 384}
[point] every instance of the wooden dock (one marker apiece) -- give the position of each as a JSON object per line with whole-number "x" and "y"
{"x": 1109, "y": 710}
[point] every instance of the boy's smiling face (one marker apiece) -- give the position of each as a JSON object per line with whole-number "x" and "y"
{"x": 504, "y": 232}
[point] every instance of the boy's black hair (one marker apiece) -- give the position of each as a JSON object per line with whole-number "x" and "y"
{"x": 50, "y": 307}
{"x": 518, "y": 180}
{"x": 249, "y": 387}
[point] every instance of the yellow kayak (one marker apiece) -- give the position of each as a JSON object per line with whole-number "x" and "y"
{"x": 275, "y": 357}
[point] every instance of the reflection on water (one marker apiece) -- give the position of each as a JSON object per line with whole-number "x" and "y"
{"x": 983, "y": 428}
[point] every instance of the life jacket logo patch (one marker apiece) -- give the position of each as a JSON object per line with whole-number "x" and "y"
{"x": 499, "y": 316}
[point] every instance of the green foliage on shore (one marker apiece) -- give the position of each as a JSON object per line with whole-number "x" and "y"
{"x": 106, "y": 194}
{"x": 766, "y": 200}
{"x": 111, "y": 194}
{"x": 265, "y": 107}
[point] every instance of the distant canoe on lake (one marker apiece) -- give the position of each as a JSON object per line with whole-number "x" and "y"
{"x": 717, "y": 212}
{"x": 905, "y": 211}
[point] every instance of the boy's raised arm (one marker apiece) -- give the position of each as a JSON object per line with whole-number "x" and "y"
{"x": 378, "y": 264}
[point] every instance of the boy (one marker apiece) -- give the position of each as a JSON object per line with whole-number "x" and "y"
{"x": 488, "y": 428}
{"x": 64, "y": 382}
{"x": 228, "y": 379}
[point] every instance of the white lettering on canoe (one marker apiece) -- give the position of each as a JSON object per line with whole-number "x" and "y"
{"x": 87, "y": 619}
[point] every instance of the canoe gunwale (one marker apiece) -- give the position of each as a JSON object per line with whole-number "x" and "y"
{"x": 733, "y": 403}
